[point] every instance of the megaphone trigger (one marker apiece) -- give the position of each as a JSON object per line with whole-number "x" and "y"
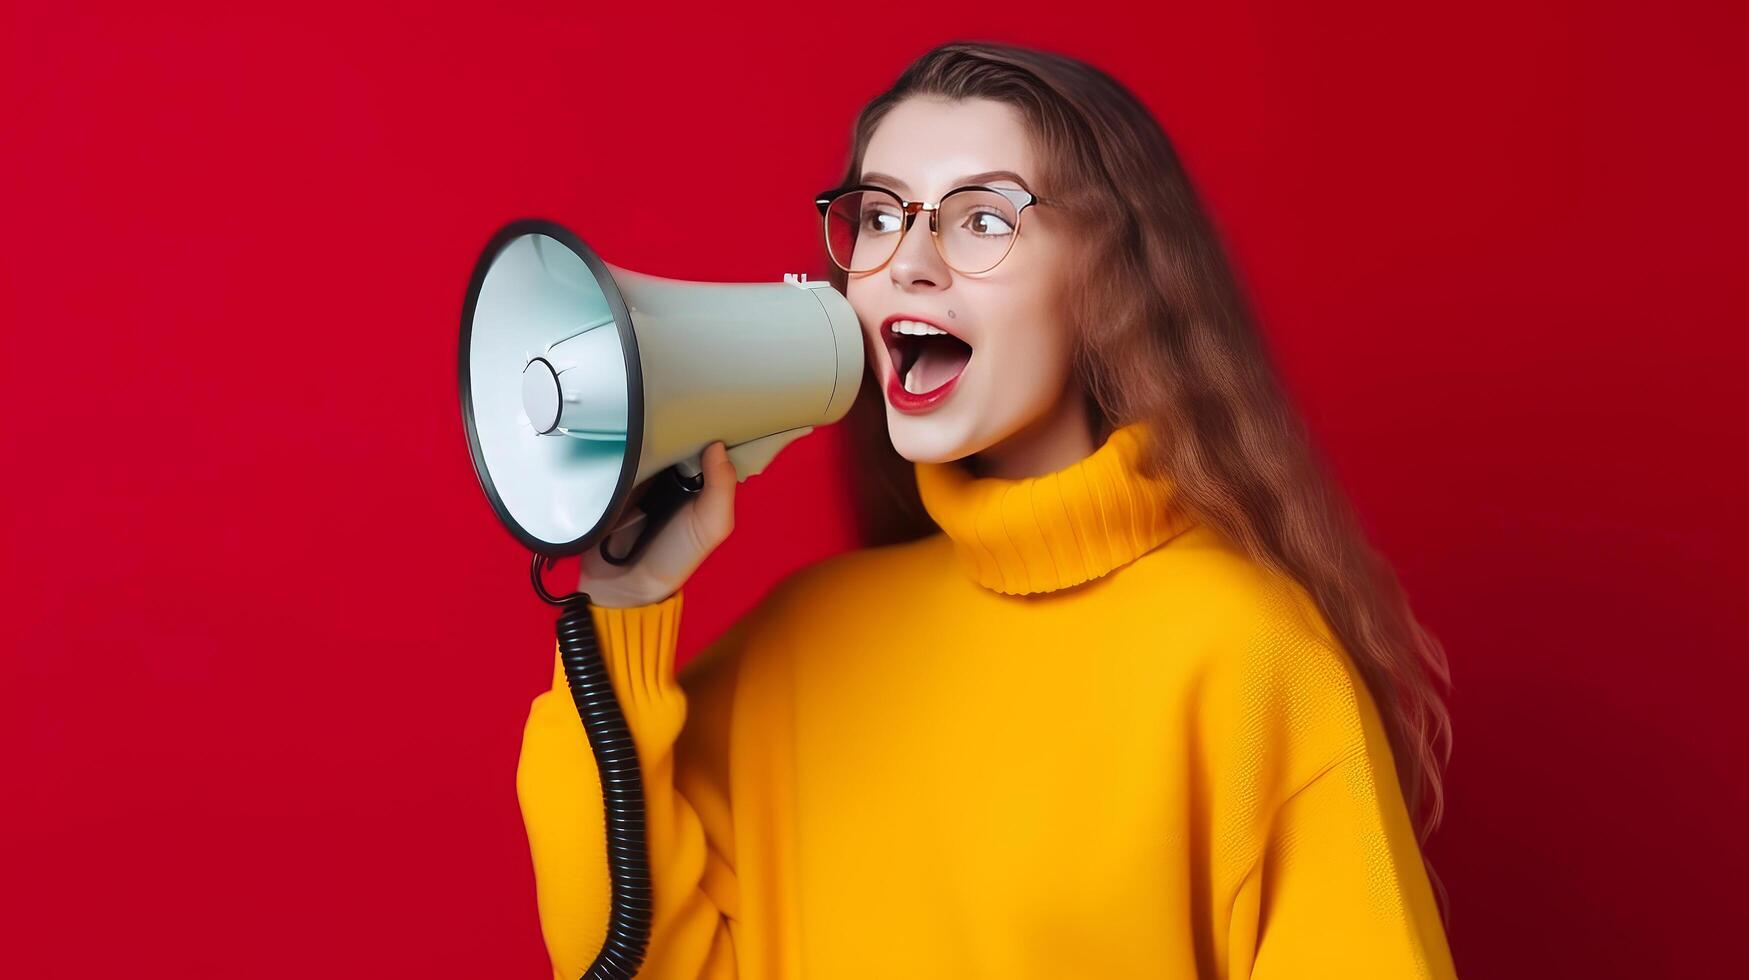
{"x": 637, "y": 517}
{"x": 692, "y": 467}
{"x": 666, "y": 492}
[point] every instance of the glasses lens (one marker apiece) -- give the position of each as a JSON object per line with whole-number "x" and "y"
{"x": 977, "y": 229}
{"x": 862, "y": 229}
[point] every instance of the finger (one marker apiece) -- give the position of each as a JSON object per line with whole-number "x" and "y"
{"x": 714, "y": 508}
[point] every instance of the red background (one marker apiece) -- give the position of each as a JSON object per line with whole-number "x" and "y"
{"x": 268, "y": 653}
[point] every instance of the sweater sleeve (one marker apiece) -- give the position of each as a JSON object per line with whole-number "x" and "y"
{"x": 683, "y": 763}
{"x": 1341, "y": 890}
{"x": 1336, "y": 886}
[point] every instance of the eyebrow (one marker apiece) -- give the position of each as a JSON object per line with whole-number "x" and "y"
{"x": 979, "y": 178}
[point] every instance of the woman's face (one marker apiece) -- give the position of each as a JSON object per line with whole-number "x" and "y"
{"x": 1018, "y": 375}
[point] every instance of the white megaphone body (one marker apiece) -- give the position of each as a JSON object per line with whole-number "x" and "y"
{"x": 586, "y": 387}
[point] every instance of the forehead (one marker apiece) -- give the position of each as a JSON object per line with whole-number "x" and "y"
{"x": 930, "y": 144}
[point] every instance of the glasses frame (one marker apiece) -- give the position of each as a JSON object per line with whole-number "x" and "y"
{"x": 1021, "y": 198}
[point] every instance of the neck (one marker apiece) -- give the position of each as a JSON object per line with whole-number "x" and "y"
{"x": 1043, "y": 533}
{"x": 1058, "y": 439}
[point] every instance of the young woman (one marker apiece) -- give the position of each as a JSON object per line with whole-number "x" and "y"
{"x": 1118, "y": 689}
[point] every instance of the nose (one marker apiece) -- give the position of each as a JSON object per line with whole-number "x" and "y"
{"x": 917, "y": 264}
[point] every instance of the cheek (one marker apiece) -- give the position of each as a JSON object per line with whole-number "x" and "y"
{"x": 1031, "y": 364}
{"x": 1030, "y": 340}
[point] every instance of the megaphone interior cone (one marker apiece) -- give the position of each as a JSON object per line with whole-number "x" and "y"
{"x": 537, "y": 283}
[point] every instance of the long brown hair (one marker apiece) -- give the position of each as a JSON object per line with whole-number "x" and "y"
{"x": 1163, "y": 333}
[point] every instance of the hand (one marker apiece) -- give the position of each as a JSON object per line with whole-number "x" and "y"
{"x": 692, "y": 533}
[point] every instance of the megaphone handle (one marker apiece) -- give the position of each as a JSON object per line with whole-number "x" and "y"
{"x": 667, "y": 491}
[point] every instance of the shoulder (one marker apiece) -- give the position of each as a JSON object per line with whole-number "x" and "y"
{"x": 1232, "y": 600}
{"x": 1273, "y": 672}
{"x": 820, "y": 596}
{"x": 849, "y": 578}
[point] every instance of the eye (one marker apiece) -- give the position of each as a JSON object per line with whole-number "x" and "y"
{"x": 880, "y": 221}
{"x": 988, "y": 224}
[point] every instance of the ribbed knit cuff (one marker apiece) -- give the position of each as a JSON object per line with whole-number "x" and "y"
{"x": 638, "y": 645}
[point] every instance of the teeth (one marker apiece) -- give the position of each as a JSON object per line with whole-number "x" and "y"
{"x": 916, "y": 328}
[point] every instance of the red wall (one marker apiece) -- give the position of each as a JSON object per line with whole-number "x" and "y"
{"x": 267, "y": 653}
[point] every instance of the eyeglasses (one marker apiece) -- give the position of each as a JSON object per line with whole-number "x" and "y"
{"x": 973, "y": 227}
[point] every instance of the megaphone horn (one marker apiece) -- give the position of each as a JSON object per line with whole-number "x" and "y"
{"x": 586, "y": 387}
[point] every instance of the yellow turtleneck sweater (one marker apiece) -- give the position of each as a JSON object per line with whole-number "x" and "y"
{"x": 1076, "y": 735}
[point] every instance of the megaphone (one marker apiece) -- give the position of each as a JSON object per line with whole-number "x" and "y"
{"x": 586, "y": 389}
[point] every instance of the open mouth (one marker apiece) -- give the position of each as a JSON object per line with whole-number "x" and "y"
{"x": 924, "y": 356}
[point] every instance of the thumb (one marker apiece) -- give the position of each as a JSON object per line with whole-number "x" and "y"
{"x": 714, "y": 508}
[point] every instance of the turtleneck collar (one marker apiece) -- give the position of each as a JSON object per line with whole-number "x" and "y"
{"x": 1049, "y": 532}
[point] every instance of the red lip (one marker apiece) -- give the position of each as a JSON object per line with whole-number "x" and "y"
{"x": 909, "y": 403}
{"x": 897, "y": 396}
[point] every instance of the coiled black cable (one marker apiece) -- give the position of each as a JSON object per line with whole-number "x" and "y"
{"x": 616, "y": 755}
{"x": 622, "y": 786}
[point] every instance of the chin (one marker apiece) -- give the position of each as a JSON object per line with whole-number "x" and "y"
{"x": 928, "y": 439}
